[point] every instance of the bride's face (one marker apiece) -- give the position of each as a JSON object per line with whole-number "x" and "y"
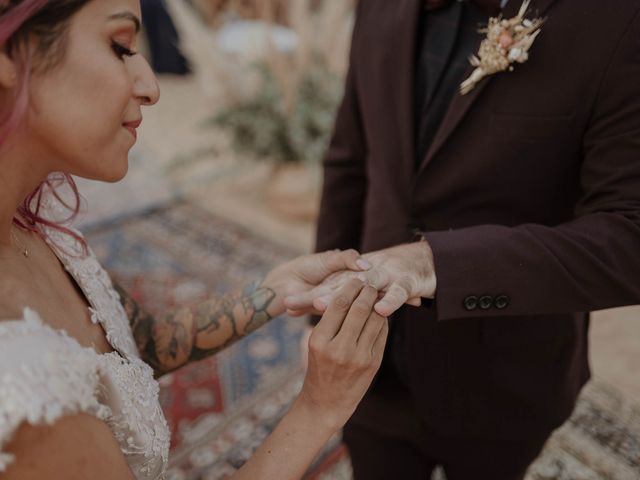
{"x": 84, "y": 111}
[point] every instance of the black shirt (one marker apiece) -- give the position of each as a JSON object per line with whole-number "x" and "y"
{"x": 447, "y": 38}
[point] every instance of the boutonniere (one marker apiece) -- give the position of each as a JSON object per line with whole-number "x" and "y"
{"x": 508, "y": 41}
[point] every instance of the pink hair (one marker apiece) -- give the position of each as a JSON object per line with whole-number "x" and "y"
{"x": 29, "y": 209}
{"x": 12, "y": 20}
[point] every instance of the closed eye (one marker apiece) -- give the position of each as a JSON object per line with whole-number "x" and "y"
{"x": 121, "y": 51}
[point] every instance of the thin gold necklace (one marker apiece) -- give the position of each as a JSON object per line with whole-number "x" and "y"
{"x": 21, "y": 246}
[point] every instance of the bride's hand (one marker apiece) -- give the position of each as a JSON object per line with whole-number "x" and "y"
{"x": 345, "y": 352}
{"x": 308, "y": 271}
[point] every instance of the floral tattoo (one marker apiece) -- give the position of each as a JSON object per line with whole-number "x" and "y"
{"x": 169, "y": 341}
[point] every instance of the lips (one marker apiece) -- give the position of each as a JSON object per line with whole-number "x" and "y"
{"x": 132, "y": 126}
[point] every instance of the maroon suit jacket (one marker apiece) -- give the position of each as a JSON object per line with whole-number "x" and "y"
{"x": 530, "y": 197}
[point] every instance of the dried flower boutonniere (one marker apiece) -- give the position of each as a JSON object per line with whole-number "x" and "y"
{"x": 508, "y": 41}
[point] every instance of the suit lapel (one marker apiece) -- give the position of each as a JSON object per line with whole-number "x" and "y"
{"x": 461, "y": 104}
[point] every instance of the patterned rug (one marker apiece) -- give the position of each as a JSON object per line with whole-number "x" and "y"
{"x": 601, "y": 440}
{"x": 221, "y": 409}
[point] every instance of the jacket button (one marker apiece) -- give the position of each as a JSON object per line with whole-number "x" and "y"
{"x": 502, "y": 301}
{"x": 485, "y": 302}
{"x": 470, "y": 303}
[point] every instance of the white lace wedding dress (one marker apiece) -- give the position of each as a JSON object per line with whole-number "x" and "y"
{"x": 45, "y": 374}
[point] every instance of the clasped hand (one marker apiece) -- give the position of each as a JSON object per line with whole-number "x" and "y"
{"x": 403, "y": 274}
{"x": 346, "y": 347}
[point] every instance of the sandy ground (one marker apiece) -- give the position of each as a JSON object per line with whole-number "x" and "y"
{"x": 164, "y": 166}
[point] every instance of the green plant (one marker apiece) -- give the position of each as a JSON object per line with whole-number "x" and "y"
{"x": 263, "y": 126}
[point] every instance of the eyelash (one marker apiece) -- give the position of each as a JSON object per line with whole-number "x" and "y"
{"x": 121, "y": 51}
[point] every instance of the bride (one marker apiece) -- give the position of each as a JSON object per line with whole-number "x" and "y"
{"x": 78, "y": 357}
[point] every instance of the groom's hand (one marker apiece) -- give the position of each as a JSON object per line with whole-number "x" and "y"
{"x": 404, "y": 274}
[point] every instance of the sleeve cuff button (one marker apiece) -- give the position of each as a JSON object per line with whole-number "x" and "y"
{"x": 470, "y": 303}
{"x": 502, "y": 301}
{"x": 485, "y": 302}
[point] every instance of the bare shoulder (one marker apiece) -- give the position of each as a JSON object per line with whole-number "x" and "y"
{"x": 75, "y": 447}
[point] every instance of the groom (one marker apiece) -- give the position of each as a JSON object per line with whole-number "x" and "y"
{"x": 525, "y": 195}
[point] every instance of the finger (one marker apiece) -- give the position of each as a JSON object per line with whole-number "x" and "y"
{"x": 336, "y": 261}
{"x": 415, "y": 301}
{"x": 378, "y": 278}
{"x": 356, "y": 319}
{"x": 395, "y": 297}
{"x": 304, "y": 347}
{"x": 378, "y": 346}
{"x": 303, "y": 301}
{"x": 338, "y": 309}
{"x": 300, "y": 313}
{"x": 370, "y": 332}
{"x": 322, "y": 303}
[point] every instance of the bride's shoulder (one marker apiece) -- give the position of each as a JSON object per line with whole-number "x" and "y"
{"x": 44, "y": 375}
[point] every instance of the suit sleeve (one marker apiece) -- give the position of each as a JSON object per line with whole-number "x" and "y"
{"x": 590, "y": 263}
{"x": 345, "y": 183}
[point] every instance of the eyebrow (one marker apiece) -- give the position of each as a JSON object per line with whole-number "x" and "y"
{"x": 126, "y": 16}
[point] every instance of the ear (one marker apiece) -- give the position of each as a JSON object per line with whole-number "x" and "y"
{"x": 8, "y": 71}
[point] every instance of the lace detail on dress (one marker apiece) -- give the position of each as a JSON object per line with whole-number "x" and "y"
{"x": 139, "y": 424}
{"x": 44, "y": 375}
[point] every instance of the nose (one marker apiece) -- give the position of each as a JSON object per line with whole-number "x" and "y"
{"x": 145, "y": 84}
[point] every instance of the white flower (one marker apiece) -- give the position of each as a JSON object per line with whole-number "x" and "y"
{"x": 515, "y": 54}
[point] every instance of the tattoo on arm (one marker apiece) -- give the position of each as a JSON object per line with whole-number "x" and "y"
{"x": 169, "y": 341}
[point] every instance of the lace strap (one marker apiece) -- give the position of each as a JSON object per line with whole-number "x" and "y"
{"x": 91, "y": 278}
